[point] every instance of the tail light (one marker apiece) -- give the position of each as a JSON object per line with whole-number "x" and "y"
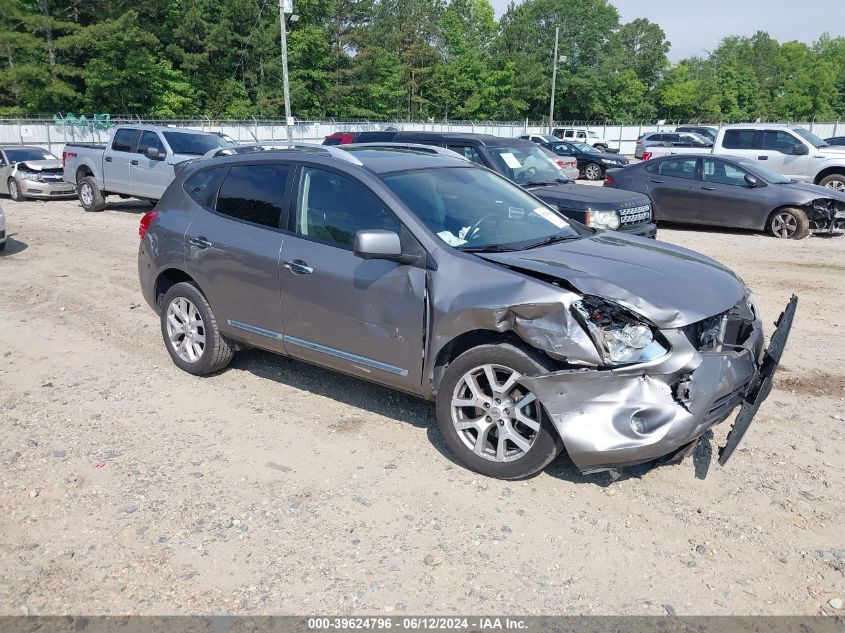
{"x": 646, "y": 155}
{"x": 66, "y": 155}
{"x": 146, "y": 222}
{"x": 608, "y": 179}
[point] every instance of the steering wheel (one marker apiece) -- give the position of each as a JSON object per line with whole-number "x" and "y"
{"x": 474, "y": 228}
{"x": 528, "y": 171}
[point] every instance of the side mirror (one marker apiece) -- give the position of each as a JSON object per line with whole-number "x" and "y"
{"x": 153, "y": 154}
{"x": 751, "y": 181}
{"x": 377, "y": 244}
{"x": 800, "y": 150}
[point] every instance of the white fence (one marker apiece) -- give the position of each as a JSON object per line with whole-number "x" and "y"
{"x": 52, "y": 136}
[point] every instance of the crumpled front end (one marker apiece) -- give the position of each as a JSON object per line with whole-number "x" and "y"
{"x": 827, "y": 216}
{"x": 618, "y": 417}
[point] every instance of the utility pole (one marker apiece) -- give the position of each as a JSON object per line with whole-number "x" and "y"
{"x": 554, "y": 81}
{"x": 285, "y": 8}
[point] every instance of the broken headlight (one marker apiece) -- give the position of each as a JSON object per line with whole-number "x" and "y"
{"x": 621, "y": 337}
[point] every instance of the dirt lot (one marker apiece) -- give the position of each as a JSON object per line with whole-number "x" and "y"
{"x": 274, "y": 487}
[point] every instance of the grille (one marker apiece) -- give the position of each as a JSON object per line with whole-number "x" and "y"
{"x": 635, "y": 215}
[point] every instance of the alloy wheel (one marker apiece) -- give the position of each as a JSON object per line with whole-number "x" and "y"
{"x": 784, "y": 225}
{"x": 592, "y": 172}
{"x": 86, "y": 194}
{"x": 495, "y": 417}
{"x": 836, "y": 185}
{"x": 14, "y": 190}
{"x": 185, "y": 330}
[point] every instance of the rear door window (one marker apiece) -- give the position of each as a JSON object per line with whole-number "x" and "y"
{"x": 123, "y": 139}
{"x": 678, "y": 168}
{"x": 254, "y": 193}
{"x": 739, "y": 139}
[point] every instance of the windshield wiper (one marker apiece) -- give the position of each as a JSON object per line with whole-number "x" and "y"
{"x": 490, "y": 248}
{"x": 551, "y": 239}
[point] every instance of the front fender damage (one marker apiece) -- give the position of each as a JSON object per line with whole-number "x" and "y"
{"x": 827, "y": 216}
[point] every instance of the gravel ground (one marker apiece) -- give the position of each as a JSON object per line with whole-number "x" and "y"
{"x": 275, "y": 487}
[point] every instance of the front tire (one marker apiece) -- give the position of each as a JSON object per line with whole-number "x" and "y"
{"x": 789, "y": 224}
{"x": 834, "y": 181}
{"x": 190, "y": 331}
{"x": 90, "y": 196}
{"x": 592, "y": 171}
{"x": 15, "y": 190}
{"x": 490, "y": 422}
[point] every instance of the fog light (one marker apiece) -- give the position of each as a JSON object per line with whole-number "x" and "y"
{"x": 638, "y": 424}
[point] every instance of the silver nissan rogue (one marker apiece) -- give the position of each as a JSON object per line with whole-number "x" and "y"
{"x": 437, "y": 277}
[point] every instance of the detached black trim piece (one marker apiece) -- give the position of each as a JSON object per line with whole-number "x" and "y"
{"x": 763, "y": 385}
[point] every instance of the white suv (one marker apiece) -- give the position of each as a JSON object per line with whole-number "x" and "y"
{"x": 582, "y": 136}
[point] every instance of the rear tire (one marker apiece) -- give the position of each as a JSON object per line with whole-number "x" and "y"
{"x": 190, "y": 331}
{"x": 834, "y": 181}
{"x": 90, "y": 196}
{"x": 491, "y": 433}
{"x": 593, "y": 171}
{"x": 14, "y": 190}
{"x": 601, "y": 147}
{"x": 789, "y": 223}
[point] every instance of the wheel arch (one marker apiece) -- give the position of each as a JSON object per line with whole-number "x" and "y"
{"x": 168, "y": 278}
{"x": 829, "y": 171}
{"x": 83, "y": 171}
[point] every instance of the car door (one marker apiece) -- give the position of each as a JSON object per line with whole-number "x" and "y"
{"x": 116, "y": 160}
{"x": 363, "y": 317}
{"x": 149, "y": 178}
{"x": 234, "y": 244}
{"x": 5, "y": 172}
{"x": 670, "y": 186}
{"x": 778, "y": 153}
{"x": 725, "y": 197}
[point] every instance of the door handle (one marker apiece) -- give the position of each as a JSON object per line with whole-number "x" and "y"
{"x": 107, "y": 159}
{"x": 762, "y": 158}
{"x": 133, "y": 162}
{"x": 709, "y": 188}
{"x": 200, "y": 242}
{"x": 298, "y": 267}
{"x": 655, "y": 180}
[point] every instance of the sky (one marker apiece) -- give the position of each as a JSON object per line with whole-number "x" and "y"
{"x": 694, "y": 27}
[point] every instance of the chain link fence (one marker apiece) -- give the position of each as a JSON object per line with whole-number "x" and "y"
{"x": 53, "y": 133}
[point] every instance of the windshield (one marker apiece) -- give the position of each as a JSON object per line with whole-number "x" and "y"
{"x": 548, "y": 138}
{"x": 526, "y": 165}
{"x": 199, "y": 144}
{"x": 811, "y": 138}
{"x": 556, "y": 159}
{"x": 583, "y": 147}
{"x": 474, "y": 209}
{"x": 765, "y": 173}
{"x": 26, "y": 153}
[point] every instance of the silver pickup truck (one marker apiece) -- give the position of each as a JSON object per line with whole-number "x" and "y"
{"x": 790, "y": 150}
{"x": 139, "y": 161}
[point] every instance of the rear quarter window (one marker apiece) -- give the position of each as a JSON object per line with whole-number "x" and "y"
{"x": 203, "y": 185}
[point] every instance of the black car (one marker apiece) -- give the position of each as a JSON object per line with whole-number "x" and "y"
{"x": 527, "y": 165}
{"x": 835, "y": 140}
{"x": 591, "y": 162}
{"x": 732, "y": 192}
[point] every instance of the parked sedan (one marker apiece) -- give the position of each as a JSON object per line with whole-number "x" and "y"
{"x": 733, "y": 192}
{"x": 670, "y": 139}
{"x": 32, "y": 172}
{"x": 835, "y": 140}
{"x": 591, "y": 162}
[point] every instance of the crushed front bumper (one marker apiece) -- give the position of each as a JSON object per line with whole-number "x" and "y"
{"x": 614, "y": 418}
{"x": 46, "y": 190}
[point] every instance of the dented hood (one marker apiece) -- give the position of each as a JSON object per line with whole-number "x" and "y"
{"x": 669, "y": 285}
{"x": 41, "y": 165}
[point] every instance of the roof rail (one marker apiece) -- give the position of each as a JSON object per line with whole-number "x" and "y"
{"x": 414, "y": 147}
{"x": 247, "y": 148}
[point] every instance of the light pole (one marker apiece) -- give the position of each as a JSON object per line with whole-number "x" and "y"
{"x": 554, "y": 81}
{"x": 286, "y": 8}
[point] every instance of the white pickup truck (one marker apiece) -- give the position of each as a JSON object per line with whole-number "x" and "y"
{"x": 790, "y": 150}
{"x": 139, "y": 161}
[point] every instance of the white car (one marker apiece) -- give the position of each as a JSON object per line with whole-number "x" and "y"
{"x": 583, "y": 135}
{"x": 2, "y": 229}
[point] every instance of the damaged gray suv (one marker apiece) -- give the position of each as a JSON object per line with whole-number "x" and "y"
{"x": 437, "y": 277}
